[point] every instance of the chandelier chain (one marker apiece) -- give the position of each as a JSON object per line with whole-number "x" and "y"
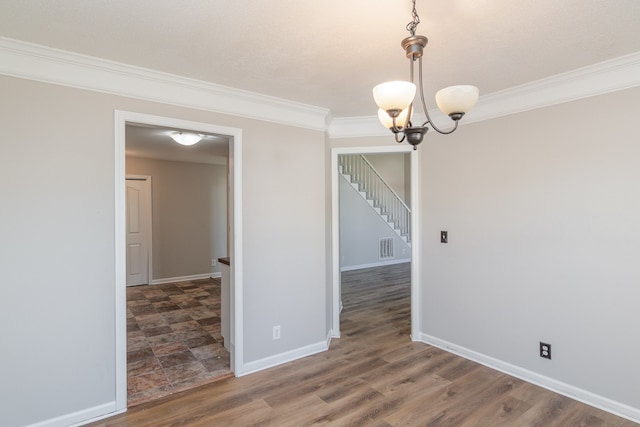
{"x": 411, "y": 26}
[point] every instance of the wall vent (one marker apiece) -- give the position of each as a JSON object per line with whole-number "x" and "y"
{"x": 386, "y": 248}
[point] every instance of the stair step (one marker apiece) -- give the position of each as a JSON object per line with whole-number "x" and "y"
{"x": 378, "y": 209}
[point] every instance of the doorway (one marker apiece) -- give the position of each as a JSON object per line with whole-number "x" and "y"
{"x": 122, "y": 119}
{"x": 335, "y": 231}
{"x": 175, "y": 315}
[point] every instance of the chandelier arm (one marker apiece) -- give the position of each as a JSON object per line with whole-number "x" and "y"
{"x": 424, "y": 106}
{"x": 395, "y": 128}
{"x": 401, "y": 140}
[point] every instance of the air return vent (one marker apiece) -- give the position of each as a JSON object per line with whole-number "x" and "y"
{"x": 386, "y": 248}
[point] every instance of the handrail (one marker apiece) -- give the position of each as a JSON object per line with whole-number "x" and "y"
{"x": 385, "y": 183}
{"x": 378, "y": 191}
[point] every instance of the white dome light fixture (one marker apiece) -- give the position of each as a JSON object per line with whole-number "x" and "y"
{"x": 395, "y": 99}
{"x": 186, "y": 138}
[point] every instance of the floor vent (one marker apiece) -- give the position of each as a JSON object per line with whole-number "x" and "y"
{"x": 386, "y": 248}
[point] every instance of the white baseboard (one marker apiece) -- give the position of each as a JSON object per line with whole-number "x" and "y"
{"x": 185, "y": 278}
{"x": 80, "y": 417}
{"x": 288, "y": 356}
{"x": 584, "y": 396}
{"x": 375, "y": 264}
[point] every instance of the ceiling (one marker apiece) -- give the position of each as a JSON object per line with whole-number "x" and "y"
{"x": 156, "y": 143}
{"x": 331, "y": 53}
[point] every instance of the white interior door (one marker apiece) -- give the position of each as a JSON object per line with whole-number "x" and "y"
{"x": 138, "y": 230}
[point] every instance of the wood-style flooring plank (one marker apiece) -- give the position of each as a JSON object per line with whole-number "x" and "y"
{"x": 374, "y": 375}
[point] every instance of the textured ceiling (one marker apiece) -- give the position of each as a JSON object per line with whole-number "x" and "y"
{"x": 331, "y": 53}
{"x": 156, "y": 143}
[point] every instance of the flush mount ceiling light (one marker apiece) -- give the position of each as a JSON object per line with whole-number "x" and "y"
{"x": 186, "y": 138}
{"x": 395, "y": 99}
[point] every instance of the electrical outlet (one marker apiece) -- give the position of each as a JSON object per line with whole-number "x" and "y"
{"x": 276, "y": 332}
{"x": 444, "y": 237}
{"x": 545, "y": 350}
{"x": 214, "y": 262}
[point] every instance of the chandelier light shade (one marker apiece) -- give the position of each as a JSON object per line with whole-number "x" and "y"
{"x": 456, "y": 99}
{"x": 396, "y": 98}
{"x": 186, "y": 138}
{"x": 387, "y": 121}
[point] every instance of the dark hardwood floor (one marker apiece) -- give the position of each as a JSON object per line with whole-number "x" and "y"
{"x": 373, "y": 375}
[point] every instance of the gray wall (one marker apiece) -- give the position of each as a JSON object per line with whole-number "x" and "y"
{"x": 542, "y": 210}
{"x": 284, "y": 238}
{"x": 360, "y": 227}
{"x": 392, "y": 168}
{"x": 189, "y": 215}
{"x": 57, "y": 253}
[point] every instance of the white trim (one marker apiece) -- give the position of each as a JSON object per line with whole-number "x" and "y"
{"x": 556, "y": 386}
{"x": 98, "y": 418}
{"x": 45, "y": 64}
{"x": 354, "y": 127}
{"x": 121, "y": 118}
{"x": 237, "y": 261}
{"x": 336, "y": 300}
{"x": 287, "y": 356}
{"x": 35, "y": 62}
{"x": 148, "y": 221}
{"x": 416, "y": 246}
{"x": 185, "y": 278}
{"x": 375, "y": 264}
{"x": 596, "y": 79}
{"x": 80, "y": 417}
{"x": 120, "y": 262}
{"x": 336, "y": 305}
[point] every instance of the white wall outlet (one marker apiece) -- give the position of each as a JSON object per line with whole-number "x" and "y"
{"x": 214, "y": 262}
{"x": 276, "y": 332}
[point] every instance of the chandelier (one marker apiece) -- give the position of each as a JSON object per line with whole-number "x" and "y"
{"x": 395, "y": 99}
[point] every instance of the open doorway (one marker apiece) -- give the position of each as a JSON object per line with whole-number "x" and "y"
{"x": 193, "y": 291}
{"x": 178, "y": 194}
{"x": 336, "y": 224}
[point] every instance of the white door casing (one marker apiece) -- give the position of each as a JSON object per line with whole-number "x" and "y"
{"x": 335, "y": 233}
{"x": 121, "y": 118}
{"x": 138, "y": 218}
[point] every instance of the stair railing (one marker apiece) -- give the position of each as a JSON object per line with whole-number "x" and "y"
{"x": 378, "y": 191}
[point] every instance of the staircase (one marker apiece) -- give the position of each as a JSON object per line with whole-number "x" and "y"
{"x": 357, "y": 170}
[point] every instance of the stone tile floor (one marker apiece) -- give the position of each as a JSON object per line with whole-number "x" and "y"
{"x": 173, "y": 338}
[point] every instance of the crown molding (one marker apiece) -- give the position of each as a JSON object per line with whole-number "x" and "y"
{"x": 597, "y": 79}
{"x": 44, "y": 64}
{"x": 35, "y": 62}
{"x": 353, "y": 127}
